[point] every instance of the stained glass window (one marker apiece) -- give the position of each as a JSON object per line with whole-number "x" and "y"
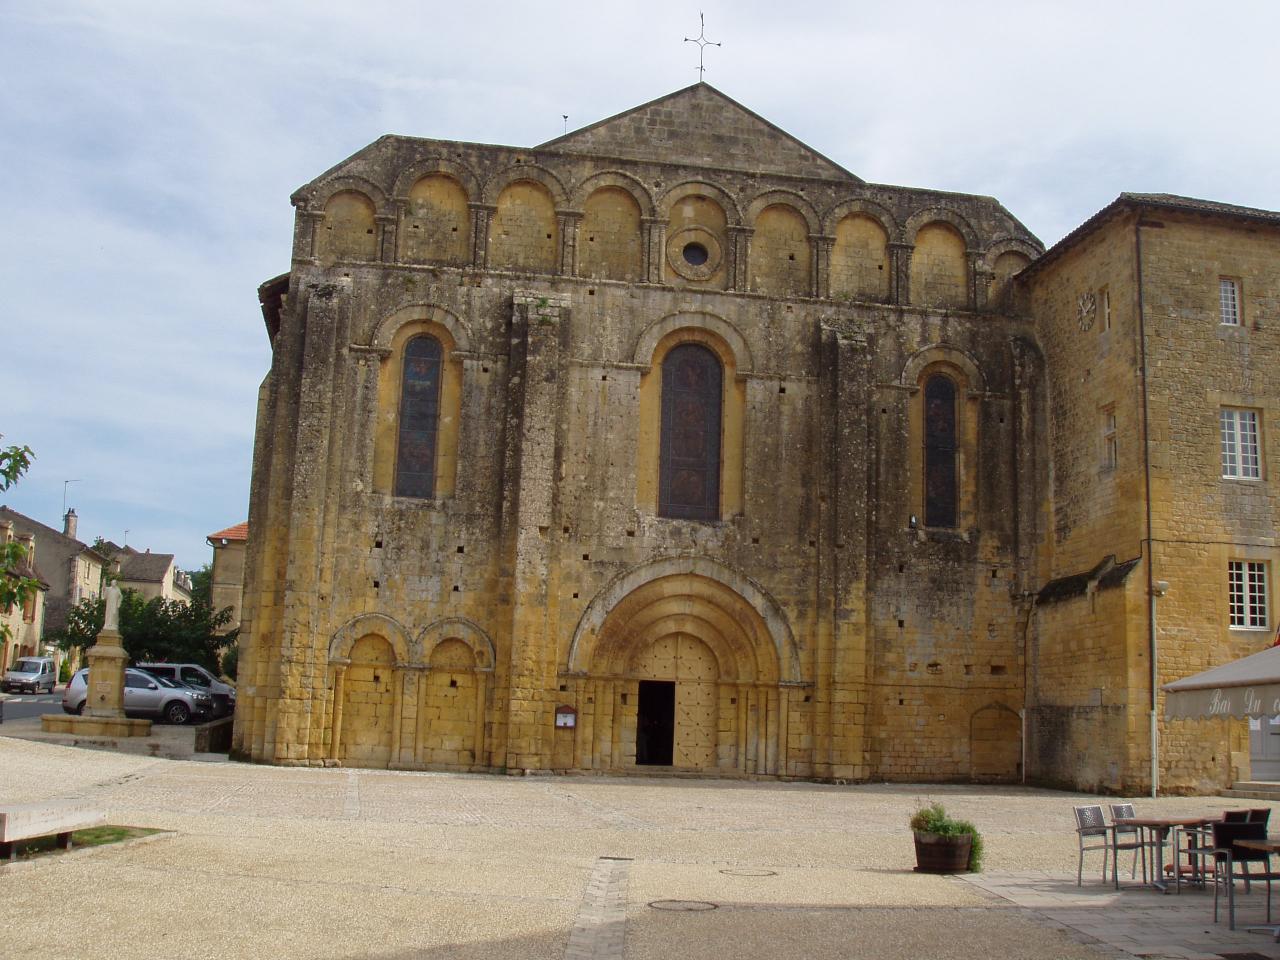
{"x": 419, "y": 417}
{"x": 689, "y": 470}
{"x": 940, "y": 486}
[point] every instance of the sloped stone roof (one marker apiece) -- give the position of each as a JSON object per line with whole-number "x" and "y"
{"x": 21, "y": 521}
{"x": 1154, "y": 201}
{"x": 703, "y": 127}
{"x": 145, "y": 567}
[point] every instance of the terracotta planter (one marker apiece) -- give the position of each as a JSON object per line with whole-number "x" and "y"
{"x": 939, "y": 854}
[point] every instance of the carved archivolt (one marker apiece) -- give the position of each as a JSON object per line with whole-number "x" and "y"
{"x": 378, "y": 624}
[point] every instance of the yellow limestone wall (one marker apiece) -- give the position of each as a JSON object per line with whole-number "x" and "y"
{"x": 348, "y": 231}
{"x": 699, "y": 219}
{"x": 860, "y": 260}
{"x": 369, "y": 702}
{"x": 939, "y": 272}
{"x": 844, "y": 643}
{"x": 1094, "y": 700}
{"x": 524, "y": 234}
{"x": 609, "y": 239}
{"x": 780, "y": 258}
{"x": 436, "y": 225}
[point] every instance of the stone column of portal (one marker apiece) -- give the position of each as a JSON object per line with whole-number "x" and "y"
{"x": 339, "y": 693}
{"x": 529, "y": 473}
{"x": 653, "y": 233}
{"x": 307, "y": 233}
{"x": 900, "y": 272}
{"x": 386, "y": 236}
{"x": 478, "y": 757}
{"x": 821, "y": 269}
{"x": 738, "y": 258}
{"x": 481, "y": 214}
{"x": 568, "y": 221}
{"x": 977, "y": 296}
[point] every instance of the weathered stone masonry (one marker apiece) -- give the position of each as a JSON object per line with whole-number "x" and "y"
{"x": 811, "y": 622}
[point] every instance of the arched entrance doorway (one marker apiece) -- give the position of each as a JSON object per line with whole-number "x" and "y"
{"x": 995, "y": 744}
{"x": 686, "y": 666}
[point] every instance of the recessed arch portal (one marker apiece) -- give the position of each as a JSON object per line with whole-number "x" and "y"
{"x": 723, "y": 650}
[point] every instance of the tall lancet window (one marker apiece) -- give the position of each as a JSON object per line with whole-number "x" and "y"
{"x": 689, "y": 469}
{"x": 419, "y": 419}
{"x": 941, "y": 486}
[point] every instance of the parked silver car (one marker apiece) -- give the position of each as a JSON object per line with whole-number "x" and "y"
{"x": 30, "y": 673}
{"x": 145, "y": 696}
{"x": 194, "y": 675}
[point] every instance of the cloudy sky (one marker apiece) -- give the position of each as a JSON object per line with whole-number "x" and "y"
{"x": 149, "y": 149}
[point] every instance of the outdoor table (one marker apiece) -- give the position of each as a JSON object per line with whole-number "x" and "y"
{"x": 1157, "y": 828}
{"x": 1269, "y": 845}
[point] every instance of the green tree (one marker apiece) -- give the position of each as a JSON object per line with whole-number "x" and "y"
{"x": 156, "y": 629}
{"x": 202, "y": 583}
{"x": 15, "y": 588}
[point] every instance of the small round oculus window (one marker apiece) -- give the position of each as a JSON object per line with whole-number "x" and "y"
{"x": 695, "y": 254}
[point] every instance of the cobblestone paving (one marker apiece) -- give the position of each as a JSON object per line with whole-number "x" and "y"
{"x": 334, "y": 863}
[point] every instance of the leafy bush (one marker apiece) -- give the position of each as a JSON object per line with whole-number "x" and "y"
{"x": 231, "y": 660}
{"x": 64, "y": 671}
{"x": 933, "y": 819}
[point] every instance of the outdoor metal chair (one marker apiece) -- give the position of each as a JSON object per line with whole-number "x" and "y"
{"x": 1228, "y": 854}
{"x": 1092, "y": 826}
{"x": 1127, "y": 838}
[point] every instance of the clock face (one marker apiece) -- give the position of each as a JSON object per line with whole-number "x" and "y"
{"x": 1086, "y": 310}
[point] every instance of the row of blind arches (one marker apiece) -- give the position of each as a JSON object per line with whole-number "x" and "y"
{"x": 523, "y": 234}
{"x": 691, "y": 430}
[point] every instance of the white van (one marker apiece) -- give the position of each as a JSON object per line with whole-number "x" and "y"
{"x": 30, "y": 673}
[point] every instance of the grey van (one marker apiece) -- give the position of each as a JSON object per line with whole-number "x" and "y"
{"x": 30, "y": 673}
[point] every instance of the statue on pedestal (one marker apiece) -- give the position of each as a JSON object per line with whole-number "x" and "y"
{"x": 111, "y": 618}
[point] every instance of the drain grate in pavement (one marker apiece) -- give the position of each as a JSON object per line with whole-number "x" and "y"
{"x": 687, "y": 906}
{"x": 749, "y": 873}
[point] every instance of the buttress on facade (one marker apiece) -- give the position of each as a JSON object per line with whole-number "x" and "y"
{"x": 670, "y": 445}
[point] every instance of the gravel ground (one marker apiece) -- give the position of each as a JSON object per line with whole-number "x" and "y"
{"x": 310, "y": 863}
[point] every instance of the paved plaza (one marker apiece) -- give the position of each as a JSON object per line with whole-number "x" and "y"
{"x": 319, "y": 863}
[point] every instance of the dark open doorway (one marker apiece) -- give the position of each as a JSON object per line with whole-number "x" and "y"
{"x": 656, "y": 722}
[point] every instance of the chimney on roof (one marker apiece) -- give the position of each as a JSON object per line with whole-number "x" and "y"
{"x": 28, "y": 543}
{"x": 69, "y": 523}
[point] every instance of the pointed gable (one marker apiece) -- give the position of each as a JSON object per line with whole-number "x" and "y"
{"x": 701, "y": 126}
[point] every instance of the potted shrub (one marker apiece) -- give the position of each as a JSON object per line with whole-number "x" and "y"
{"x": 945, "y": 845}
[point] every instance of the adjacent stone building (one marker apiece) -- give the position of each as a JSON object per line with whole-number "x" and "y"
{"x": 24, "y": 621}
{"x": 671, "y": 444}
{"x": 150, "y": 575}
{"x": 71, "y": 569}
{"x": 226, "y": 574}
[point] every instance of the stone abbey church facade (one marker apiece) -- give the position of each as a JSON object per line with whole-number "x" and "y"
{"x": 671, "y": 445}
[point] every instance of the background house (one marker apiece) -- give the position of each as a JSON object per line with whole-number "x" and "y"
{"x": 226, "y": 577}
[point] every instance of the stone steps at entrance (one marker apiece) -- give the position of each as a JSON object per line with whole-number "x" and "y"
{"x": 1254, "y": 790}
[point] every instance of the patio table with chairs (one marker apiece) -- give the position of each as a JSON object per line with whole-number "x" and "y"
{"x": 1219, "y": 848}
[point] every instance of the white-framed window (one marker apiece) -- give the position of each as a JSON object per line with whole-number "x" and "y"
{"x": 1247, "y": 594}
{"x": 1229, "y": 300}
{"x": 1240, "y": 454}
{"x": 1110, "y": 449}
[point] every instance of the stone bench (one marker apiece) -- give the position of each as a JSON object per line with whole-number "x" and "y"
{"x": 27, "y": 821}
